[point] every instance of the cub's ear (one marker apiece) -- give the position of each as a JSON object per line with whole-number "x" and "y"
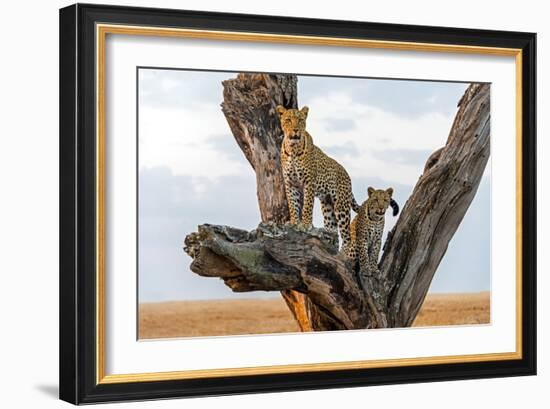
{"x": 389, "y": 191}
{"x": 281, "y": 109}
{"x": 304, "y": 111}
{"x": 370, "y": 190}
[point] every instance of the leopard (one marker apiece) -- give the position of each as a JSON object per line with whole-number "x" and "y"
{"x": 367, "y": 228}
{"x": 308, "y": 173}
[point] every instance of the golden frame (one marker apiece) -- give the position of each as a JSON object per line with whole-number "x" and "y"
{"x": 102, "y": 30}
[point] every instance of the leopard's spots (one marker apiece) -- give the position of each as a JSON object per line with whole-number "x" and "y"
{"x": 308, "y": 173}
{"x": 367, "y": 228}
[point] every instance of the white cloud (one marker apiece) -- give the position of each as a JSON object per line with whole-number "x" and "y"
{"x": 186, "y": 141}
{"x": 168, "y": 84}
{"x": 376, "y": 130}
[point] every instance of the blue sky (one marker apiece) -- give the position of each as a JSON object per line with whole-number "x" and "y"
{"x": 191, "y": 170}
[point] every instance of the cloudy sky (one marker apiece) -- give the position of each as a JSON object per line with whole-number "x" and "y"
{"x": 191, "y": 170}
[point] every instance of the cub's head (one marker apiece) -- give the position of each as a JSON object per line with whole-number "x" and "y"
{"x": 378, "y": 203}
{"x": 293, "y": 123}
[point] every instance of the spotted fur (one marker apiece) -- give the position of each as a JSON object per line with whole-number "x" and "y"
{"x": 367, "y": 228}
{"x": 308, "y": 172}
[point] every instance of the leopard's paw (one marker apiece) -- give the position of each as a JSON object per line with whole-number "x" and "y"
{"x": 373, "y": 272}
{"x": 304, "y": 227}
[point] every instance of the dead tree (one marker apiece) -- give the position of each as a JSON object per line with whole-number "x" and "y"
{"x": 305, "y": 266}
{"x": 249, "y": 103}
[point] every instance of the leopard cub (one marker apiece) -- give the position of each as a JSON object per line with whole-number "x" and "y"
{"x": 367, "y": 228}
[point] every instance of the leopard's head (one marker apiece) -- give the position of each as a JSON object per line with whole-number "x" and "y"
{"x": 293, "y": 123}
{"x": 378, "y": 203}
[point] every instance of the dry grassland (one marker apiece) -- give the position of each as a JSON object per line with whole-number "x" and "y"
{"x": 259, "y": 316}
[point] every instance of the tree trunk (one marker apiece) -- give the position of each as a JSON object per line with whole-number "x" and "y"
{"x": 439, "y": 201}
{"x": 249, "y": 108}
{"x": 278, "y": 257}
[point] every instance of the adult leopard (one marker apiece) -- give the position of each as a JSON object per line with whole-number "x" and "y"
{"x": 308, "y": 172}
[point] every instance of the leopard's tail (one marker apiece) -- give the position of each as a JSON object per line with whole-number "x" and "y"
{"x": 354, "y": 205}
{"x": 395, "y": 207}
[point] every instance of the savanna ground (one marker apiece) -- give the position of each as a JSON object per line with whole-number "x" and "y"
{"x": 264, "y": 316}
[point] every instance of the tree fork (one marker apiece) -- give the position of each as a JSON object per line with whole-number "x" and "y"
{"x": 305, "y": 266}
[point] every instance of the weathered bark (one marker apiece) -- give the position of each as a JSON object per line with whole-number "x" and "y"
{"x": 249, "y": 108}
{"x": 278, "y": 257}
{"x": 433, "y": 212}
{"x": 249, "y": 103}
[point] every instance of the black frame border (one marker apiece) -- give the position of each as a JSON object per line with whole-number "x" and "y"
{"x": 77, "y": 316}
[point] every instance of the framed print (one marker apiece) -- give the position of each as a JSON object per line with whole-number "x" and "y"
{"x": 257, "y": 203}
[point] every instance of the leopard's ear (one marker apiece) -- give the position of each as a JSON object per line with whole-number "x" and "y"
{"x": 281, "y": 109}
{"x": 370, "y": 190}
{"x": 304, "y": 111}
{"x": 389, "y": 191}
